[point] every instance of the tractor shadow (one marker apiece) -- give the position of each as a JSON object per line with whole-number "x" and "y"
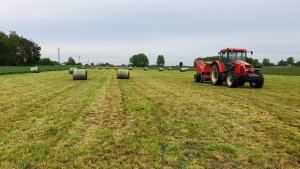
{"x": 246, "y": 86}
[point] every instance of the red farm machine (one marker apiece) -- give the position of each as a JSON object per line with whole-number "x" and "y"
{"x": 231, "y": 68}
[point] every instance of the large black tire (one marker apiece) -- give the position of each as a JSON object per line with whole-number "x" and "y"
{"x": 197, "y": 78}
{"x": 259, "y": 83}
{"x": 241, "y": 82}
{"x": 232, "y": 79}
{"x": 215, "y": 75}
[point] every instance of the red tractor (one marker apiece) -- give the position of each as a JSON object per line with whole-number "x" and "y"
{"x": 231, "y": 68}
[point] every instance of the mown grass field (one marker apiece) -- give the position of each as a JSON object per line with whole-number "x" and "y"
{"x": 153, "y": 120}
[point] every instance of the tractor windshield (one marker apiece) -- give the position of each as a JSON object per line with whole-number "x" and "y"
{"x": 233, "y": 56}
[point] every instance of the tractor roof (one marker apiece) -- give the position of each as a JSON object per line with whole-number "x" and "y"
{"x": 234, "y": 49}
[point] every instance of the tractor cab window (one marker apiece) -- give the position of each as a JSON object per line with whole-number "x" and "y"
{"x": 241, "y": 56}
{"x": 224, "y": 56}
{"x": 233, "y": 56}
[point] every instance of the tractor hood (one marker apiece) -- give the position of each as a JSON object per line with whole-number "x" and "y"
{"x": 239, "y": 62}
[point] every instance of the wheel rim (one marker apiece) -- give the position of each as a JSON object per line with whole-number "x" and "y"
{"x": 229, "y": 80}
{"x": 214, "y": 75}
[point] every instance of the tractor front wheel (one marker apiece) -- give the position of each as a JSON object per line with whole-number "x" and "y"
{"x": 259, "y": 83}
{"x": 215, "y": 75}
{"x": 241, "y": 82}
{"x": 232, "y": 79}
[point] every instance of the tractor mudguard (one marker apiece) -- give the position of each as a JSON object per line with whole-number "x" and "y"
{"x": 220, "y": 65}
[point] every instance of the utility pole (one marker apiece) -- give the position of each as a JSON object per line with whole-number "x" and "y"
{"x": 88, "y": 61}
{"x": 58, "y": 55}
{"x": 79, "y": 59}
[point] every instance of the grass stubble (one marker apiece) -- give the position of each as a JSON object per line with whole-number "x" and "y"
{"x": 153, "y": 120}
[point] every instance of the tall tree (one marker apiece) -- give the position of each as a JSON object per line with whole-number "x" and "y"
{"x": 17, "y": 50}
{"x": 290, "y": 61}
{"x": 266, "y": 62}
{"x": 180, "y": 64}
{"x": 70, "y": 61}
{"x": 139, "y": 60}
{"x": 160, "y": 60}
{"x": 3, "y": 48}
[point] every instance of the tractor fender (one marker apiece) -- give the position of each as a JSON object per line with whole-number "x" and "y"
{"x": 220, "y": 65}
{"x": 240, "y": 69}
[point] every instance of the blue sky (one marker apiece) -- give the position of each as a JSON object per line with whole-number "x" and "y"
{"x": 114, "y": 30}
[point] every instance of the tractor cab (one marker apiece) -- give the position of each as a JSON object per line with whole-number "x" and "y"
{"x": 228, "y": 56}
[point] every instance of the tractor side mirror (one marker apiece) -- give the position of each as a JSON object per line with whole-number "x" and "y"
{"x": 251, "y": 52}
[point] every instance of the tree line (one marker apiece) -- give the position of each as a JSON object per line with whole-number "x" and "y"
{"x": 141, "y": 60}
{"x": 16, "y": 50}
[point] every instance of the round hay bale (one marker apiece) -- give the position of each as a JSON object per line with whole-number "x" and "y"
{"x": 92, "y": 67}
{"x": 100, "y": 67}
{"x": 161, "y": 69}
{"x": 35, "y": 70}
{"x": 107, "y": 67}
{"x": 80, "y": 74}
{"x": 169, "y": 68}
{"x": 145, "y": 68}
{"x": 184, "y": 69}
{"x": 123, "y": 74}
{"x": 130, "y": 68}
{"x": 71, "y": 70}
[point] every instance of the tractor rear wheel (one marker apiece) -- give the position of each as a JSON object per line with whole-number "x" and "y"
{"x": 197, "y": 78}
{"x": 215, "y": 75}
{"x": 232, "y": 79}
{"x": 259, "y": 83}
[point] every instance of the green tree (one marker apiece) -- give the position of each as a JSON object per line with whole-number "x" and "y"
{"x": 297, "y": 63}
{"x": 16, "y": 50}
{"x": 254, "y": 62}
{"x": 282, "y": 63}
{"x": 180, "y": 64}
{"x": 160, "y": 60}
{"x": 29, "y": 53}
{"x": 47, "y": 61}
{"x": 3, "y": 49}
{"x": 139, "y": 60}
{"x": 290, "y": 61}
{"x": 70, "y": 61}
{"x": 266, "y": 62}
